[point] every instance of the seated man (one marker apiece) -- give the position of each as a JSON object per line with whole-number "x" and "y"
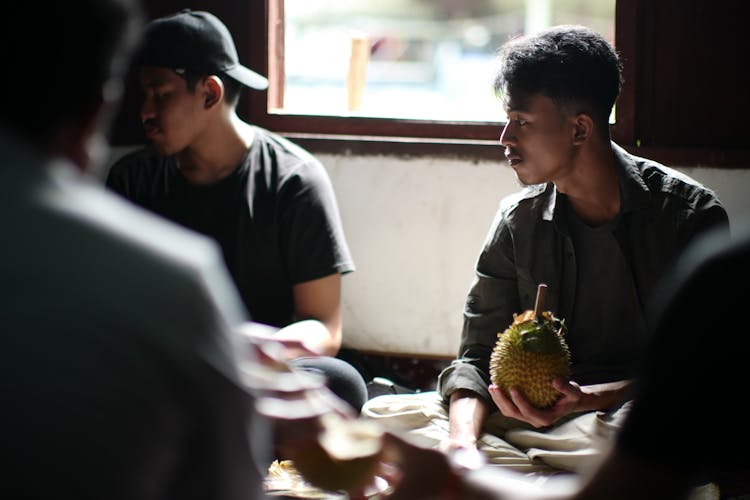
{"x": 599, "y": 226}
{"x": 676, "y": 437}
{"x": 268, "y": 203}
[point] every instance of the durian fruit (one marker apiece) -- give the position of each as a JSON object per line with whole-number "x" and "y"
{"x": 529, "y": 354}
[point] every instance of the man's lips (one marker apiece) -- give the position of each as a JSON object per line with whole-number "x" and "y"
{"x": 150, "y": 129}
{"x": 513, "y": 158}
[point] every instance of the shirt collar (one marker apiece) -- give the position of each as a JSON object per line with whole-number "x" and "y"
{"x": 633, "y": 189}
{"x": 635, "y": 193}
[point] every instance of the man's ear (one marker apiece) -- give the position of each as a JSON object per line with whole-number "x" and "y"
{"x": 583, "y": 128}
{"x": 213, "y": 91}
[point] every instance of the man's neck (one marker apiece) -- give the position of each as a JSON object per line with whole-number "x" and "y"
{"x": 593, "y": 188}
{"x": 217, "y": 154}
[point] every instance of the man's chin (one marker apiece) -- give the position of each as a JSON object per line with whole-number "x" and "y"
{"x": 160, "y": 148}
{"x": 520, "y": 181}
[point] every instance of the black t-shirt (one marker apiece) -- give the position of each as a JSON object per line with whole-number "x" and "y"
{"x": 275, "y": 217}
{"x": 606, "y": 330}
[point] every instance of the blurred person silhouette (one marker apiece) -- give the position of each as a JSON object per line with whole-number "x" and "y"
{"x": 681, "y": 431}
{"x": 119, "y": 363}
{"x": 598, "y": 225}
{"x": 267, "y": 202}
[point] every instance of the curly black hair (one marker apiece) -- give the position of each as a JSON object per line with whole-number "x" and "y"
{"x": 573, "y": 65}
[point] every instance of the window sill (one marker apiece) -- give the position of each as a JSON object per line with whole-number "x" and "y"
{"x": 486, "y": 150}
{"x": 403, "y": 147}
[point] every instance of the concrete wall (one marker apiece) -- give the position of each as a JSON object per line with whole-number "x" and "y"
{"x": 415, "y": 228}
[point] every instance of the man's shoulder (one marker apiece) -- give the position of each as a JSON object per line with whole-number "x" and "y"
{"x": 269, "y": 140}
{"x": 285, "y": 169}
{"x": 121, "y": 224}
{"x": 141, "y": 260}
{"x": 663, "y": 178}
{"x": 667, "y": 181}
{"x": 284, "y": 156}
{"x": 124, "y": 239}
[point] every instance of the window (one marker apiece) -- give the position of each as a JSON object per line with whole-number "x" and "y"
{"x": 365, "y": 58}
{"x": 399, "y": 68}
{"x": 685, "y": 99}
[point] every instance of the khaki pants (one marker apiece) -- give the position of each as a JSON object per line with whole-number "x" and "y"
{"x": 573, "y": 444}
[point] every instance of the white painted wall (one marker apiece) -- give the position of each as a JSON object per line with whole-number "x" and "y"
{"x": 415, "y": 228}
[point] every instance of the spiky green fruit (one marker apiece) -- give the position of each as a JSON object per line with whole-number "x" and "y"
{"x": 528, "y": 355}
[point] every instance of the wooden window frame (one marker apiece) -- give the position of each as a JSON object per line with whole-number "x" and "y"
{"x": 643, "y": 125}
{"x": 363, "y": 135}
{"x": 634, "y": 20}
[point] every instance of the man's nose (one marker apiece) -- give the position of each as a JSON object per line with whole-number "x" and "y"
{"x": 147, "y": 110}
{"x": 507, "y": 136}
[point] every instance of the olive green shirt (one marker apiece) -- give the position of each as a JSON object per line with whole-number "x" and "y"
{"x": 529, "y": 243}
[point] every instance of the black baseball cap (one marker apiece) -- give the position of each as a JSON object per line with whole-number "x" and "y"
{"x": 196, "y": 41}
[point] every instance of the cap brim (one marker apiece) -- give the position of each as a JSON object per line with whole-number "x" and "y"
{"x": 247, "y": 77}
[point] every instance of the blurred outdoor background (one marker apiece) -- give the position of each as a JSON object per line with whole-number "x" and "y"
{"x": 424, "y": 59}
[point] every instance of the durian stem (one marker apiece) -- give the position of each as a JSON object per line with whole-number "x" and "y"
{"x": 541, "y": 294}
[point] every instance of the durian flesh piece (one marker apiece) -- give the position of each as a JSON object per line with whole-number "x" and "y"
{"x": 528, "y": 355}
{"x": 344, "y": 457}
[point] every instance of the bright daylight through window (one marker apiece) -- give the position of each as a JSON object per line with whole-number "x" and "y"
{"x": 410, "y": 59}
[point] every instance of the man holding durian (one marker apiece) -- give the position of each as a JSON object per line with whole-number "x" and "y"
{"x": 594, "y": 223}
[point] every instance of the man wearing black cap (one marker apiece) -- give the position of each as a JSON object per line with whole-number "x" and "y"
{"x": 269, "y": 203}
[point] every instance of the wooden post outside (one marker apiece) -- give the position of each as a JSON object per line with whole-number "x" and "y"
{"x": 356, "y": 77}
{"x": 276, "y": 71}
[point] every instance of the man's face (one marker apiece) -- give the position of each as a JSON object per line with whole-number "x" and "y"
{"x": 538, "y": 138}
{"x": 171, "y": 114}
